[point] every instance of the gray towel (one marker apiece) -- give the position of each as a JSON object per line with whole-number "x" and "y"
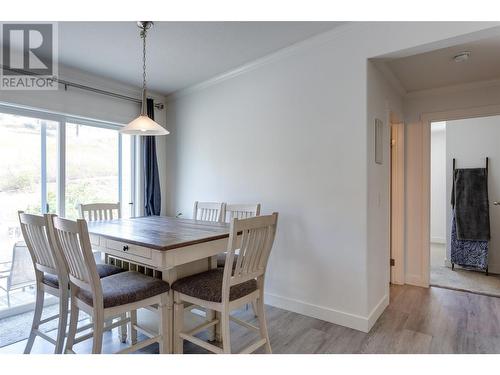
{"x": 470, "y": 200}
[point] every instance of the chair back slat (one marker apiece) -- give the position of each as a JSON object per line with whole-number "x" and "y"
{"x": 99, "y": 211}
{"x": 37, "y": 233}
{"x": 253, "y": 239}
{"x": 209, "y": 211}
{"x": 241, "y": 211}
{"x": 72, "y": 238}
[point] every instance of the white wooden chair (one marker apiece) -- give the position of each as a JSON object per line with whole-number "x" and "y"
{"x": 51, "y": 271}
{"x": 99, "y": 211}
{"x": 241, "y": 211}
{"x": 209, "y": 211}
{"x": 224, "y": 290}
{"x": 111, "y": 296}
{"x": 20, "y": 273}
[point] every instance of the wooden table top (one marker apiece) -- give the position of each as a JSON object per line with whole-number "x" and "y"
{"x": 160, "y": 232}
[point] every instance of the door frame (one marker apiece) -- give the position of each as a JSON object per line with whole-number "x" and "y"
{"x": 426, "y": 120}
{"x": 397, "y": 205}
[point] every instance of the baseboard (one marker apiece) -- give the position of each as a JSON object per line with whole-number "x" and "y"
{"x": 439, "y": 240}
{"x": 377, "y": 311}
{"x": 342, "y": 318}
{"x": 415, "y": 280}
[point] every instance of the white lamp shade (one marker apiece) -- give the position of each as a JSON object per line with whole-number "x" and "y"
{"x": 143, "y": 125}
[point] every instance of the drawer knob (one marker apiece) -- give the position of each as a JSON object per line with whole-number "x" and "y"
{"x": 125, "y": 248}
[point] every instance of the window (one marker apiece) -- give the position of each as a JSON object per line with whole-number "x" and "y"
{"x": 49, "y": 164}
{"x": 92, "y": 166}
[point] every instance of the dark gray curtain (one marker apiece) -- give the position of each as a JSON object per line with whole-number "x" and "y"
{"x": 152, "y": 196}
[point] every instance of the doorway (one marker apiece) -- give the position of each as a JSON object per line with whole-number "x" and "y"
{"x": 469, "y": 142}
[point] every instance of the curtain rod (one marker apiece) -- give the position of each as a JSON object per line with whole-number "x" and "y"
{"x": 84, "y": 87}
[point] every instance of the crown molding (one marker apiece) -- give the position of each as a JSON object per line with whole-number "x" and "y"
{"x": 268, "y": 59}
{"x": 453, "y": 89}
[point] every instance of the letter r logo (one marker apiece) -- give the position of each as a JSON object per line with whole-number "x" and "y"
{"x": 28, "y": 47}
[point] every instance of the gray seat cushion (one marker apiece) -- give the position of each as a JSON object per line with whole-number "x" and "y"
{"x": 103, "y": 270}
{"x": 126, "y": 287}
{"x": 208, "y": 286}
{"x": 221, "y": 260}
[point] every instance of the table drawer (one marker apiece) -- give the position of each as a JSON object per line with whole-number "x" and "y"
{"x": 135, "y": 250}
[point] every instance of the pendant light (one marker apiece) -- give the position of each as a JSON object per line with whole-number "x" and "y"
{"x": 143, "y": 125}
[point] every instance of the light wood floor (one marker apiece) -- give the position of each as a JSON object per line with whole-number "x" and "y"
{"x": 417, "y": 320}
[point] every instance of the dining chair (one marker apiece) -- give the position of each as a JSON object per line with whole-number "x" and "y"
{"x": 227, "y": 289}
{"x": 111, "y": 296}
{"x": 104, "y": 212}
{"x": 51, "y": 272}
{"x": 209, "y": 211}
{"x": 239, "y": 211}
{"x": 20, "y": 273}
{"x": 99, "y": 211}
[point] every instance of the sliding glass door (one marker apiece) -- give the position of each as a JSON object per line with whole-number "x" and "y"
{"x": 92, "y": 166}
{"x": 50, "y": 164}
{"x": 28, "y": 164}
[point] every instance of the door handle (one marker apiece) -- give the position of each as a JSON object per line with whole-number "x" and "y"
{"x": 496, "y": 203}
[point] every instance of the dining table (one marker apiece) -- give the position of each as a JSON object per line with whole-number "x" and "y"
{"x": 165, "y": 247}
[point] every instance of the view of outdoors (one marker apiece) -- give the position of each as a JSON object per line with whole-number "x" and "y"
{"x": 20, "y": 188}
{"x": 91, "y": 166}
{"x": 29, "y": 182}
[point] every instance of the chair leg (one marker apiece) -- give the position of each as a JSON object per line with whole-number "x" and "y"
{"x": 163, "y": 330}
{"x": 40, "y": 296}
{"x": 8, "y": 299}
{"x": 98, "y": 332}
{"x": 73, "y": 324}
{"x": 209, "y": 316}
{"x": 178, "y": 327}
{"x": 262, "y": 321}
{"x": 225, "y": 332}
{"x": 131, "y": 324}
{"x": 122, "y": 330}
{"x": 63, "y": 320}
{"x": 255, "y": 309}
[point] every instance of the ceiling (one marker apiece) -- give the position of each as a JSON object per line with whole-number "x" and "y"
{"x": 438, "y": 69}
{"x": 179, "y": 54}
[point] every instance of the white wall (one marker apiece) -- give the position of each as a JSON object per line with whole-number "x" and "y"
{"x": 439, "y": 201}
{"x": 382, "y": 101}
{"x": 100, "y": 107}
{"x": 470, "y": 141}
{"x": 294, "y": 132}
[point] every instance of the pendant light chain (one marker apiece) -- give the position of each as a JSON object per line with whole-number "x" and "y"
{"x": 144, "y": 59}
{"x": 143, "y": 35}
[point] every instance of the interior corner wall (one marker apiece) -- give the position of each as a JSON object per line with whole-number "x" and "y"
{"x": 382, "y": 99}
{"x": 414, "y": 107}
